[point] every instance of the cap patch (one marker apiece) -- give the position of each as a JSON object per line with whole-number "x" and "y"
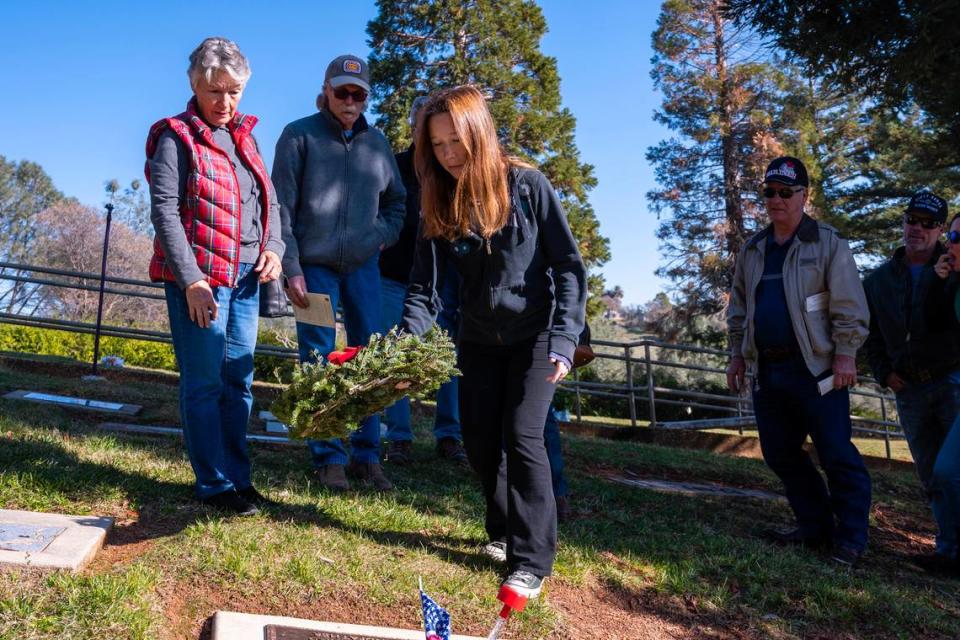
{"x": 351, "y": 66}
{"x": 785, "y": 170}
{"x": 927, "y": 201}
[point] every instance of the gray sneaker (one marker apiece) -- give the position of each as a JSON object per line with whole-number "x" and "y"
{"x": 524, "y": 583}
{"x": 371, "y": 473}
{"x": 332, "y": 476}
{"x": 496, "y": 550}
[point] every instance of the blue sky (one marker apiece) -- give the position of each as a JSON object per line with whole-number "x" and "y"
{"x": 83, "y": 82}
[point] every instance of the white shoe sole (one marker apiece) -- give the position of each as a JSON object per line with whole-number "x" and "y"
{"x": 495, "y": 553}
{"x": 526, "y": 592}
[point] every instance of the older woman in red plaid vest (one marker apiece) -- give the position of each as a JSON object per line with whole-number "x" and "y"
{"x": 217, "y": 238}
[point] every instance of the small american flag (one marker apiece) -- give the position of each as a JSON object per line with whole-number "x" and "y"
{"x": 436, "y": 620}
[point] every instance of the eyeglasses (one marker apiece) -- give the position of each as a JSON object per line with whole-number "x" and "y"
{"x": 954, "y": 237}
{"x": 342, "y": 93}
{"x": 785, "y": 193}
{"x": 926, "y": 223}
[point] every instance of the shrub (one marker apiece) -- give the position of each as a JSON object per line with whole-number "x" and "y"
{"x": 138, "y": 353}
{"x": 79, "y": 346}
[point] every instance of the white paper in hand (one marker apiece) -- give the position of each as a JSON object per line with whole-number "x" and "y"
{"x": 826, "y": 385}
{"x": 320, "y": 311}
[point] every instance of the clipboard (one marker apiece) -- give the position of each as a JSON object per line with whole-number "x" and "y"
{"x": 319, "y": 313}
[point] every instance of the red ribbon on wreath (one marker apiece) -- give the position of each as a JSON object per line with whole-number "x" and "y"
{"x": 344, "y": 355}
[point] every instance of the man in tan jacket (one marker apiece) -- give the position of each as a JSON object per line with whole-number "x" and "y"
{"x": 796, "y": 317}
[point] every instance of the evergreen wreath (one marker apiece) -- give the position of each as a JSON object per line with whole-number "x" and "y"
{"x": 331, "y": 397}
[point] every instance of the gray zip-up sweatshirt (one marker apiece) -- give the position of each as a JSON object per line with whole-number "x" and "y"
{"x": 340, "y": 198}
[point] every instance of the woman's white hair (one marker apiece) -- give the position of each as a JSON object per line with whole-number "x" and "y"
{"x": 215, "y": 55}
{"x": 418, "y": 103}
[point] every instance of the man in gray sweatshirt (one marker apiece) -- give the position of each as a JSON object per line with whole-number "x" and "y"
{"x": 341, "y": 201}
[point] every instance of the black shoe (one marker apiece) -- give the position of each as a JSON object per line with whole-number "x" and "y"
{"x": 845, "y": 556}
{"x": 451, "y": 449}
{"x": 254, "y": 497}
{"x": 564, "y": 512}
{"x": 230, "y": 502}
{"x": 793, "y": 538}
{"x": 524, "y": 583}
{"x": 399, "y": 453}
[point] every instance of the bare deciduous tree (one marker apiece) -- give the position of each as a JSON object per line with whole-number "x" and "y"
{"x": 70, "y": 236}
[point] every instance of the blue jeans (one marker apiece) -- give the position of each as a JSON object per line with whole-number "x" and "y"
{"x": 551, "y": 438}
{"x": 788, "y": 408}
{"x": 359, "y": 293}
{"x": 930, "y": 416}
{"x": 446, "y": 424}
{"x": 216, "y": 374}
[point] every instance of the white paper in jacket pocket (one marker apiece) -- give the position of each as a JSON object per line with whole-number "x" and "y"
{"x": 818, "y": 301}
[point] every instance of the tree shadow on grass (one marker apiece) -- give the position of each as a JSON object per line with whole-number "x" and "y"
{"x": 41, "y": 472}
{"x": 45, "y": 475}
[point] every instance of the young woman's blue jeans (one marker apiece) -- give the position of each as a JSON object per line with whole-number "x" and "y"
{"x": 216, "y": 375}
{"x": 551, "y": 438}
{"x": 446, "y": 424}
{"x": 930, "y": 417}
{"x": 359, "y": 293}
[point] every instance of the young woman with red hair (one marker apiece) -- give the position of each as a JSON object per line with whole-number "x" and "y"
{"x": 523, "y": 293}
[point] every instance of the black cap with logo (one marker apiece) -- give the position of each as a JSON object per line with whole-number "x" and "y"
{"x": 787, "y": 170}
{"x": 928, "y": 204}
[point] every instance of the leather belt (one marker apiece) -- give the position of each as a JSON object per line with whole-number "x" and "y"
{"x": 778, "y": 354}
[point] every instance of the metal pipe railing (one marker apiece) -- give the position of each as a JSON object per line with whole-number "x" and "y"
{"x": 657, "y": 356}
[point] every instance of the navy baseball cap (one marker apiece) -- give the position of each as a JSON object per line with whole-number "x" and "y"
{"x": 928, "y": 204}
{"x": 787, "y": 170}
{"x": 348, "y": 70}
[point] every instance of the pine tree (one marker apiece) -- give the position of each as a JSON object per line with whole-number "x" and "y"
{"x": 420, "y": 46}
{"x": 720, "y": 97}
{"x": 901, "y": 155}
{"x": 899, "y": 54}
{"x": 865, "y": 161}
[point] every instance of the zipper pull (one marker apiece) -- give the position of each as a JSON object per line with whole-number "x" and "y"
{"x": 488, "y": 246}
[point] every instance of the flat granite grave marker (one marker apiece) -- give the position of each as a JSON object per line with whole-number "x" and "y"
{"x": 76, "y": 403}
{"x": 273, "y": 425}
{"x": 155, "y": 430}
{"x": 697, "y": 489}
{"x": 50, "y": 540}
{"x": 27, "y": 538}
{"x": 228, "y": 625}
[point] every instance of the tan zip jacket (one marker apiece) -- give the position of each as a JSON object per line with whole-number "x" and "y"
{"x": 825, "y": 299}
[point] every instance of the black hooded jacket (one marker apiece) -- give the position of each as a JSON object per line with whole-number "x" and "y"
{"x": 526, "y": 279}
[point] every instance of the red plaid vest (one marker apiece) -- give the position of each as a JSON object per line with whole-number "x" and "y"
{"x": 210, "y": 210}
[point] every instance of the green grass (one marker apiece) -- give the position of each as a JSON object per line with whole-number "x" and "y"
{"x": 172, "y": 564}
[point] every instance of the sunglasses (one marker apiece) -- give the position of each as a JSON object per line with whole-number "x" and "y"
{"x": 342, "y": 93}
{"x": 785, "y": 193}
{"x": 954, "y": 237}
{"x": 926, "y": 223}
